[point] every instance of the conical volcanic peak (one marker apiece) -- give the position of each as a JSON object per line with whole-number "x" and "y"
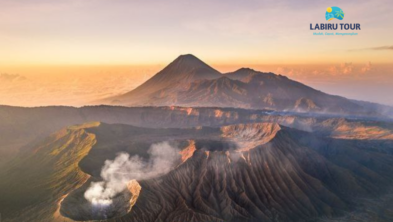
{"x": 183, "y": 70}
{"x": 190, "y": 60}
{"x": 188, "y": 68}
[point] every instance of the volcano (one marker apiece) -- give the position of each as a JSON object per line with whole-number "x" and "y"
{"x": 182, "y": 71}
{"x": 188, "y": 81}
{"x": 233, "y": 165}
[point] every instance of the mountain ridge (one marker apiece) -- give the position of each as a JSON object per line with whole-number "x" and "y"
{"x": 283, "y": 175}
{"x": 188, "y": 81}
{"x": 257, "y": 154}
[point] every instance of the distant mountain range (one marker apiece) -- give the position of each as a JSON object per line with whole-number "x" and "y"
{"x": 188, "y": 81}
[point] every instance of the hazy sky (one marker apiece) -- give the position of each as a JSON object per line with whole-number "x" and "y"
{"x": 67, "y": 52}
{"x": 154, "y": 32}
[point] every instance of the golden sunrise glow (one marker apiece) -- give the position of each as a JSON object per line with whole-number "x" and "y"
{"x": 117, "y": 32}
{"x": 69, "y": 52}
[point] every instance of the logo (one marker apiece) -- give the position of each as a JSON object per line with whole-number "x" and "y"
{"x": 334, "y": 13}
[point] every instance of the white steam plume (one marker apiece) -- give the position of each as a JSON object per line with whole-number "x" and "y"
{"x": 118, "y": 172}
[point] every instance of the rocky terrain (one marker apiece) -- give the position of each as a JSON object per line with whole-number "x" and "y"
{"x": 238, "y": 172}
{"x": 282, "y": 180}
{"x": 22, "y": 126}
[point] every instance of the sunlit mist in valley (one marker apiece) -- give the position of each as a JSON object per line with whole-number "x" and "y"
{"x": 71, "y": 85}
{"x": 80, "y": 85}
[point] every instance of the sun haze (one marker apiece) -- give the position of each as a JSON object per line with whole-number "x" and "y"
{"x": 39, "y": 39}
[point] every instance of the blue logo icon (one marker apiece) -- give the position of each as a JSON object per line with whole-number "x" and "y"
{"x": 334, "y": 13}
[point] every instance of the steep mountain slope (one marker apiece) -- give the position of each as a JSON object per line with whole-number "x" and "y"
{"x": 183, "y": 70}
{"x": 221, "y": 92}
{"x": 187, "y": 81}
{"x": 33, "y": 184}
{"x": 244, "y": 172}
{"x": 282, "y": 175}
